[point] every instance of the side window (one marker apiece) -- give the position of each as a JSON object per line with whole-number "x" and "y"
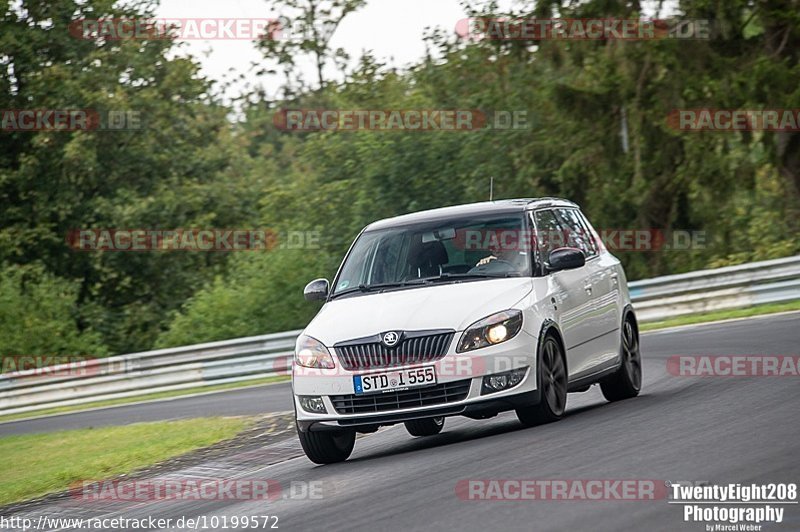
{"x": 577, "y": 234}
{"x": 549, "y": 233}
{"x": 590, "y": 235}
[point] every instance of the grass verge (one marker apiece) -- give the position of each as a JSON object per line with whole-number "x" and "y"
{"x": 757, "y": 310}
{"x": 140, "y": 398}
{"x": 38, "y": 464}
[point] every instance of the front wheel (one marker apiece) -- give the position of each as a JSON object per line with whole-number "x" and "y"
{"x": 425, "y": 427}
{"x": 553, "y": 385}
{"x": 327, "y": 447}
{"x": 627, "y": 381}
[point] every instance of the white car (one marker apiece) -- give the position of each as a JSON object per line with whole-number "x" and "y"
{"x": 468, "y": 311}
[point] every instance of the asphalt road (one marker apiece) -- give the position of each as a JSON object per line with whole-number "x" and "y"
{"x": 256, "y": 400}
{"x": 714, "y": 429}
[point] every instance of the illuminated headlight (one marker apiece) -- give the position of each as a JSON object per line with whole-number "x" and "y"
{"x": 313, "y": 404}
{"x": 310, "y": 353}
{"x": 495, "y": 329}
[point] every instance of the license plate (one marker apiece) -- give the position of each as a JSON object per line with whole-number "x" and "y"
{"x": 394, "y": 380}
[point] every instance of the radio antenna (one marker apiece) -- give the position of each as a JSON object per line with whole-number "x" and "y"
{"x": 491, "y": 188}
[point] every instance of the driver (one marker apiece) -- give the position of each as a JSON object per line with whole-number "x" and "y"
{"x": 506, "y": 256}
{"x": 512, "y": 256}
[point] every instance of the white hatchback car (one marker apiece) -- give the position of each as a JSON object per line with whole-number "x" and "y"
{"x": 469, "y": 310}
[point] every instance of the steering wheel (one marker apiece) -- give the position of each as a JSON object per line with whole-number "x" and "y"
{"x": 493, "y": 266}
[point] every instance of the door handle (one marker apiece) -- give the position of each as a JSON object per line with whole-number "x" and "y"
{"x": 588, "y": 288}
{"x": 615, "y": 278}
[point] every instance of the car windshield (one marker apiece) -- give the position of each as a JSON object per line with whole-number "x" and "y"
{"x": 440, "y": 251}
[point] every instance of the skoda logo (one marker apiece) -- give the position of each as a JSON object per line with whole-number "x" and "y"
{"x": 391, "y": 338}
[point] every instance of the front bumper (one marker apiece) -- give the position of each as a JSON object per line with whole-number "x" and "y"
{"x": 487, "y": 407}
{"x": 519, "y": 352}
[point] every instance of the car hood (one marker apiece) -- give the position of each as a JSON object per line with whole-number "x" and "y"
{"x": 442, "y": 306}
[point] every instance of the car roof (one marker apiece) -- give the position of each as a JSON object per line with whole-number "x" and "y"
{"x": 471, "y": 209}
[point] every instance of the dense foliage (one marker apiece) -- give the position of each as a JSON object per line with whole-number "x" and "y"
{"x": 191, "y": 165}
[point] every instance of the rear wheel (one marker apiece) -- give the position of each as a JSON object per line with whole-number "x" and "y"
{"x": 627, "y": 381}
{"x": 425, "y": 427}
{"x": 327, "y": 447}
{"x": 552, "y": 384}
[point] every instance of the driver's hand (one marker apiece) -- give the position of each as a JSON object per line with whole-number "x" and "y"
{"x": 486, "y": 260}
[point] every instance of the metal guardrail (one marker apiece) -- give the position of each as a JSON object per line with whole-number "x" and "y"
{"x": 163, "y": 370}
{"x": 756, "y": 283}
{"x": 245, "y": 359}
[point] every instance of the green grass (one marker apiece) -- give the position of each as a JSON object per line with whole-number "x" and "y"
{"x": 36, "y": 464}
{"x": 139, "y": 398}
{"x": 770, "y": 308}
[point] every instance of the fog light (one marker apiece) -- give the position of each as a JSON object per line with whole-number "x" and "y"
{"x": 503, "y": 381}
{"x": 498, "y": 382}
{"x": 313, "y": 404}
{"x": 515, "y": 377}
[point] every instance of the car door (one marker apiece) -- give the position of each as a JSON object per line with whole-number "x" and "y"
{"x": 603, "y": 292}
{"x": 570, "y": 292}
{"x": 608, "y": 295}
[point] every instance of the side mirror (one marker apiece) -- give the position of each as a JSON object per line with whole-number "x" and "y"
{"x": 316, "y": 290}
{"x": 565, "y": 259}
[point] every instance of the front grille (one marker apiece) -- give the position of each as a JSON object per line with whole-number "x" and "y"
{"x": 437, "y": 394}
{"x": 412, "y": 349}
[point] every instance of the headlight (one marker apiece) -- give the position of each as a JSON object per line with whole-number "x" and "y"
{"x": 310, "y": 353}
{"x": 495, "y": 329}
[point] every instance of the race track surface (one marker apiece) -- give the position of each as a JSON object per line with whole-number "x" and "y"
{"x": 715, "y": 429}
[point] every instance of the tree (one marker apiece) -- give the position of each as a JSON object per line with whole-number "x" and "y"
{"x": 304, "y": 29}
{"x": 170, "y": 171}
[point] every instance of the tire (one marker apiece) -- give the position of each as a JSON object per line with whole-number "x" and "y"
{"x": 627, "y": 381}
{"x": 552, "y": 379}
{"x": 425, "y": 427}
{"x": 327, "y": 447}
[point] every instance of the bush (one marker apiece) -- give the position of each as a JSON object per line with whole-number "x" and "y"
{"x": 263, "y": 293}
{"x": 39, "y": 316}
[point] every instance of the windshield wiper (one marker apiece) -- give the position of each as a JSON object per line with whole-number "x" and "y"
{"x": 456, "y": 276}
{"x": 369, "y": 288}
